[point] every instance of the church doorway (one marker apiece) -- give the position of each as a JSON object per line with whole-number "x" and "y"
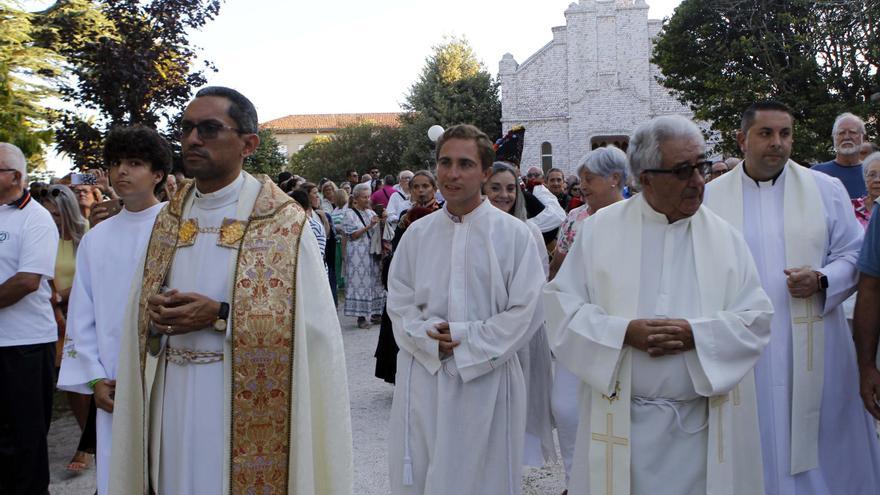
{"x": 621, "y": 142}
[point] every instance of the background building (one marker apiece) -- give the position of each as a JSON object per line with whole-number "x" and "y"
{"x": 588, "y": 87}
{"x": 294, "y": 131}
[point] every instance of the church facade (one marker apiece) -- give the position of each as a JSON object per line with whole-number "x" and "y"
{"x": 588, "y": 87}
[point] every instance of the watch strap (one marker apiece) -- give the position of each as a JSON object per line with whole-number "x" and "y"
{"x": 223, "y": 314}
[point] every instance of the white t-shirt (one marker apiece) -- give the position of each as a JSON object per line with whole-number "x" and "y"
{"x": 28, "y": 243}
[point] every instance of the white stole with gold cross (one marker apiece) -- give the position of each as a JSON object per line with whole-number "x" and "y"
{"x": 806, "y": 236}
{"x": 616, "y": 292}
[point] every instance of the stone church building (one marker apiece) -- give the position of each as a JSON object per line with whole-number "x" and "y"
{"x": 590, "y": 86}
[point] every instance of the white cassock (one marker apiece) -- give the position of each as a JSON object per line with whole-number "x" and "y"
{"x": 675, "y": 425}
{"x": 835, "y": 447}
{"x": 537, "y": 365}
{"x": 95, "y": 314}
{"x": 457, "y": 425}
{"x": 552, "y": 216}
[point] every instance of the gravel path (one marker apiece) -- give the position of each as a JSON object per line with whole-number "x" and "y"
{"x": 370, "y": 408}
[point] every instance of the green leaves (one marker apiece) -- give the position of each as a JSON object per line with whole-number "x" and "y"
{"x": 267, "y": 159}
{"x": 821, "y": 58}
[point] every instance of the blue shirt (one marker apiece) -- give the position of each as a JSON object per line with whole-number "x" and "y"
{"x": 852, "y": 177}
{"x": 869, "y": 259}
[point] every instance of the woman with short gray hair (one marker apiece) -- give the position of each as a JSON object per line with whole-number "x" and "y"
{"x": 864, "y": 206}
{"x": 602, "y": 173}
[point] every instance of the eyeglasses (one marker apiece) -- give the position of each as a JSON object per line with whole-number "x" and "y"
{"x": 684, "y": 172}
{"x": 533, "y": 175}
{"x": 872, "y": 175}
{"x": 718, "y": 173}
{"x": 8, "y": 170}
{"x": 207, "y": 129}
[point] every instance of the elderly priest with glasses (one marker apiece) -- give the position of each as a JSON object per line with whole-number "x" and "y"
{"x": 661, "y": 314}
{"x": 231, "y": 375}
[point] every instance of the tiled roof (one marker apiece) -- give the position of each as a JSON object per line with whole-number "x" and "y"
{"x": 329, "y": 121}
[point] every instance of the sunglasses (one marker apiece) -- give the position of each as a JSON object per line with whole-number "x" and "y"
{"x": 54, "y": 192}
{"x": 207, "y": 129}
{"x": 684, "y": 172}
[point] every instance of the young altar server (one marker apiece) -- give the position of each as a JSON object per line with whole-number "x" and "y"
{"x": 138, "y": 160}
{"x": 462, "y": 290}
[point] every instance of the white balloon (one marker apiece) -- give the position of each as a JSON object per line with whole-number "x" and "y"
{"x": 434, "y": 132}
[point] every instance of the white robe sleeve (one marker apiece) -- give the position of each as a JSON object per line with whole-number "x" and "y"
{"x": 729, "y": 342}
{"x": 395, "y": 206}
{"x": 578, "y": 328}
{"x": 542, "y": 248}
{"x": 409, "y": 323}
{"x": 845, "y": 240}
{"x": 322, "y": 432}
{"x": 553, "y": 215}
{"x": 83, "y": 365}
{"x": 485, "y": 345}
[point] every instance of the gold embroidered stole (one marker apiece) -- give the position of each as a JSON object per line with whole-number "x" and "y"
{"x": 262, "y": 332}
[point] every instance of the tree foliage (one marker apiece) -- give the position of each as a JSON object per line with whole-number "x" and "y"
{"x": 821, "y": 58}
{"x": 26, "y": 77}
{"x": 453, "y": 88}
{"x": 135, "y": 68}
{"x": 267, "y": 159}
{"x": 359, "y": 147}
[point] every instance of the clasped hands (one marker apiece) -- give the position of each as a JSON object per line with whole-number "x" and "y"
{"x": 802, "y": 282}
{"x": 660, "y": 337}
{"x": 443, "y": 336}
{"x": 175, "y": 313}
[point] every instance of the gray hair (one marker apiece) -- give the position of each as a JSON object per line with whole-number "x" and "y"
{"x": 846, "y": 115}
{"x": 18, "y": 162}
{"x": 604, "y": 162}
{"x": 363, "y": 186}
{"x": 873, "y": 157}
{"x": 644, "y": 146}
{"x": 402, "y": 173}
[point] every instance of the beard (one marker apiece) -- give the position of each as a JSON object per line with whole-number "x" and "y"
{"x": 848, "y": 148}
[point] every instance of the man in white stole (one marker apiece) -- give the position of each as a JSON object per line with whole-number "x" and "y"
{"x": 799, "y": 225}
{"x": 462, "y": 292}
{"x": 139, "y": 160}
{"x": 251, "y": 398}
{"x": 659, "y": 310}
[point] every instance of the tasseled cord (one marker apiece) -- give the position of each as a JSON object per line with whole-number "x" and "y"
{"x": 407, "y": 459}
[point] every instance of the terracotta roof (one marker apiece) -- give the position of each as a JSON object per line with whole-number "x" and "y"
{"x": 329, "y": 121}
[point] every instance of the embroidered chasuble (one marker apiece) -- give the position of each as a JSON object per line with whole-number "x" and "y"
{"x": 244, "y": 411}
{"x": 660, "y": 425}
{"x": 816, "y": 436}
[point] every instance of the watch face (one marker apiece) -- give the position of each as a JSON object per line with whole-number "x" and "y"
{"x": 219, "y": 325}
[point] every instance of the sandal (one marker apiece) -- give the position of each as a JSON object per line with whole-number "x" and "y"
{"x": 80, "y": 462}
{"x": 363, "y": 323}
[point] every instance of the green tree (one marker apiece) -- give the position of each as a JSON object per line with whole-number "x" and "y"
{"x": 26, "y": 77}
{"x": 267, "y": 159}
{"x": 359, "y": 147}
{"x": 821, "y": 58}
{"x": 136, "y": 69}
{"x": 453, "y": 88}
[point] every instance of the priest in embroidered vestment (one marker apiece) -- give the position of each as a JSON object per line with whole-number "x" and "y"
{"x": 231, "y": 374}
{"x": 462, "y": 292}
{"x": 658, "y": 309}
{"x": 817, "y": 438}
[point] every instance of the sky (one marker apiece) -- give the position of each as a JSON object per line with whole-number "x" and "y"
{"x": 352, "y": 56}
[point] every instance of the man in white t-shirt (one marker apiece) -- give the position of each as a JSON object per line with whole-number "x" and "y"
{"x": 28, "y": 244}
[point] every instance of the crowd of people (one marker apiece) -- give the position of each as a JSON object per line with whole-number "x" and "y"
{"x": 679, "y": 337}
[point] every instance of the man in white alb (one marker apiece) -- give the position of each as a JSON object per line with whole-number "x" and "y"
{"x": 817, "y": 438}
{"x": 231, "y": 375}
{"x": 139, "y": 161}
{"x": 462, "y": 291}
{"x": 659, "y": 310}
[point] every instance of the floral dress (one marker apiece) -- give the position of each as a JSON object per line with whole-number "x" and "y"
{"x": 569, "y": 229}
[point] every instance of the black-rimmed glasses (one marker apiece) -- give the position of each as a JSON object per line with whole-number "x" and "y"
{"x": 684, "y": 172}
{"x": 8, "y": 170}
{"x": 207, "y": 129}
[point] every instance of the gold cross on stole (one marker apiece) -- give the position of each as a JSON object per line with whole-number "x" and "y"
{"x": 610, "y": 441}
{"x": 808, "y": 320}
{"x": 718, "y": 401}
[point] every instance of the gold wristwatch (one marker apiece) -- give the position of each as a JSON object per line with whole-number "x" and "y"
{"x": 222, "y": 317}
